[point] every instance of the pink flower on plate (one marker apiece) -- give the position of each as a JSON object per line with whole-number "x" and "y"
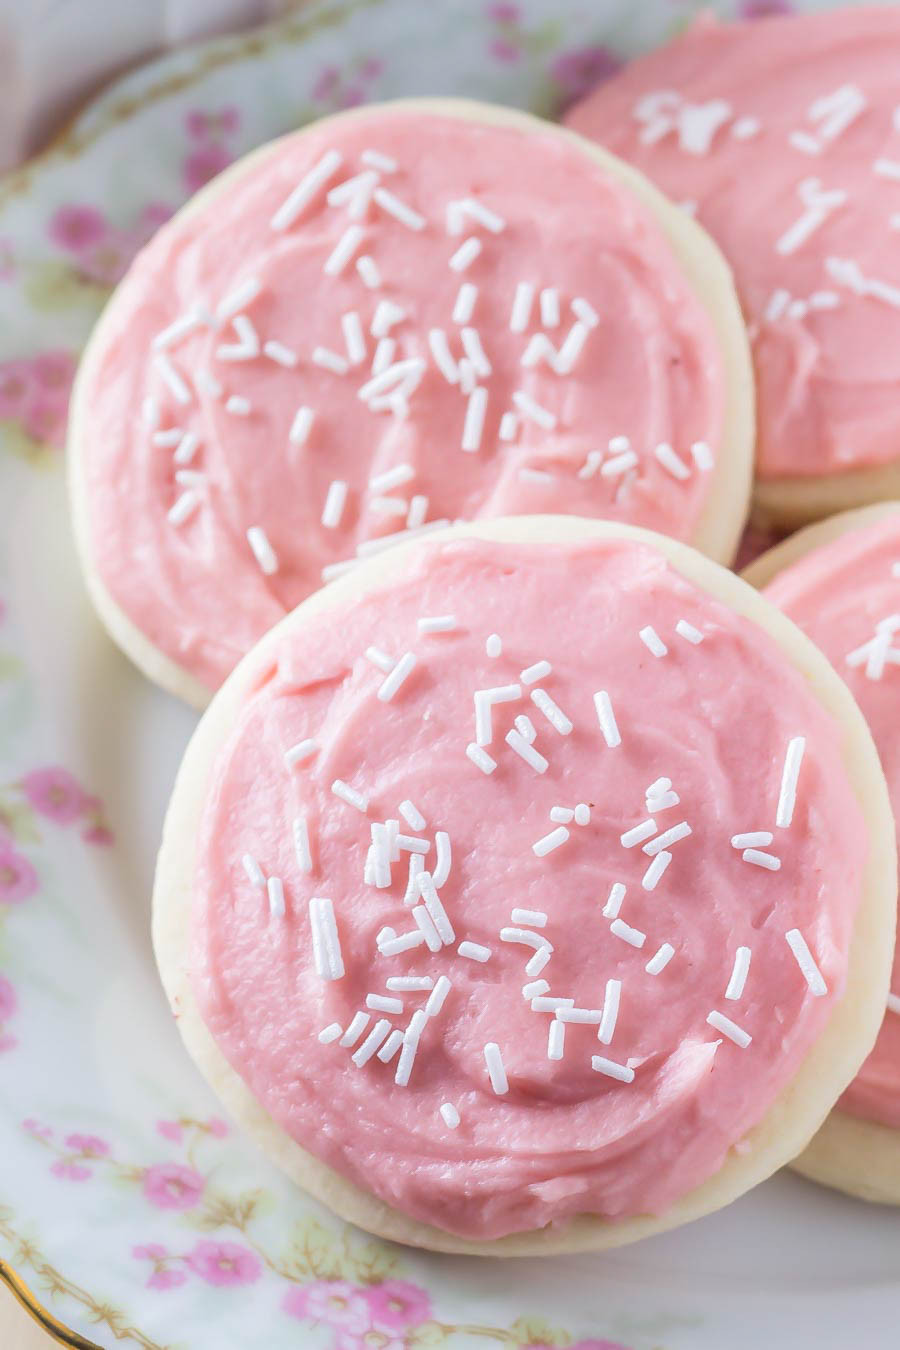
{"x": 99, "y": 835}
{"x": 763, "y": 9}
{"x": 218, "y": 1128}
{"x": 54, "y": 370}
{"x": 45, "y": 420}
{"x": 15, "y": 387}
{"x": 166, "y": 1279}
{"x": 203, "y": 164}
{"x": 579, "y": 70}
{"x": 222, "y": 1263}
{"x": 35, "y": 1128}
{"x": 88, "y": 1144}
{"x": 70, "y": 1171}
{"x": 203, "y": 126}
{"x": 369, "y": 1340}
{"x": 170, "y": 1129}
{"x": 18, "y": 879}
{"x": 334, "y": 1302}
{"x": 171, "y": 1186}
{"x": 326, "y": 83}
{"x": 56, "y": 794}
{"x": 504, "y": 51}
{"x": 503, "y": 12}
{"x": 396, "y": 1305}
{"x": 8, "y": 1001}
{"x": 77, "y": 228}
{"x": 151, "y": 1251}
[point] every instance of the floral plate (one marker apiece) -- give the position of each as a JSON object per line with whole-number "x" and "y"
{"x": 131, "y": 1209}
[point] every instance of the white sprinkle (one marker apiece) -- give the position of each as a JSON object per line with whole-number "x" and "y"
{"x": 607, "y": 719}
{"x": 171, "y": 378}
{"x": 386, "y": 315}
{"x": 550, "y": 841}
{"x": 474, "y": 351}
{"x": 585, "y": 311}
{"x": 438, "y": 996}
{"x": 571, "y": 348}
{"x": 350, "y": 795}
{"x": 416, "y": 868}
{"x": 280, "y": 354}
{"x": 238, "y": 299}
{"x": 688, "y": 632}
{"x": 473, "y": 426}
{"x": 539, "y": 348}
{"x": 617, "y": 445}
{"x": 301, "y": 426}
{"x": 238, "y": 405}
{"x": 544, "y": 1004}
{"x": 474, "y": 951}
{"x": 380, "y": 1003}
{"x": 356, "y": 192}
{"x": 745, "y": 128}
{"x": 638, "y": 834}
{"x": 330, "y": 1033}
{"x": 760, "y": 859}
{"x": 739, "y": 973}
{"x": 887, "y": 168}
{"x": 614, "y": 903}
{"x": 582, "y": 814}
{"x": 443, "y": 357}
{"x": 658, "y": 963}
{"x": 167, "y": 438}
{"x": 521, "y": 307}
{"x": 385, "y": 934}
{"x": 275, "y": 888}
{"x": 753, "y": 839}
{"x": 465, "y": 302}
{"x": 655, "y": 870}
{"x": 303, "y": 750}
{"x": 384, "y": 355}
{"x": 467, "y": 252}
{"x": 671, "y": 462}
{"x": 481, "y": 758}
{"x": 440, "y": 623}
{"x": 254, "y": 871}
{"x": 496, "y": 1071}
{"x": 729, "y": 1029}
{"x": 494, "y": 645}
{"x": 534, "y": 989}
{"x": 327, "y": 955}
{"x": 591, "y": 464}
{"x": 449, "y": 1115}
{"x": 401, "y": 671}
{"x": 668, "y": 837}
{"x": 343, "y": 251}
{"x": 533, "y": 411}
{"x": 526, "y": 938}
{"x": 535, "y": 476}
{"x": 436, "y": 911}
{"x": 388, "y": 506}
{"x": 653, "y": 641}
{"x": 368, "y": 271}
{"x": 517, "y": 742}
{"x": 661, "y": 801}
{"x": 621, "y": 1072}
{"x": 579, "y": 1016}
{"x": 306, "y": 190}
{"x": 619, "y": 464}
{"x": 410, "y": 983}
{"x": 443, "y": 858}
{"x": 178, "y": 328}
{"x": 788, "y": 795}
{"x": 248, "y": 346}
{"x": 184, "y": 507}
{"x": 377, "y": 160}
{"x": 535, "y": 917}
{"x": 187, "y": 448}
{"x": 391, "y": 1046}
{"x": 399, "y": 210}
{"x": 425, "y": 924}
{"x": 535, "y": 964}
{"x": 536, "y": 672}
{"x": 484, "y": 700}
{"x": 553, "y": 713}
{"x": 334, "y": 504}
{"x": 326, "y": 359}
{"x": 379, "y": 658}
{"x": 262, "y": 550}
{"x": 406, "y": 375}
{"x": 150, "y": 412}
{"x": 189, "y": 478}
{"x": 354, "y": 340}
{"x": 806, "y": 962}
{"x": 562, "y": 815}
{"x": 412, "y": 815}
{"x": 403, "y": 943}
{"x": 633, "y": 936}
{"x": 410, "y": 1046}
{"x": 372, "y": 1042}
{"x": 300, "y": 832}
{"x": 550, "y": 307}
{"x": 471, "y": 206}
{"x": 392, "y": 478}
{"x": 556, "y": 1039}
{"x": 610, "y": 1011}
{"x": 702, "y": 456}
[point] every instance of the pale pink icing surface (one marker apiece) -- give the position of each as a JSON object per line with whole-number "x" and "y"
{"x": 838, "y": 594}
{"x": 565, "y": 1139}
{"x": 827, "y": 378}
{"x": 649, "y": 370}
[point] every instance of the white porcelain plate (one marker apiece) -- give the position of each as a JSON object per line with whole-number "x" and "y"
{"x": 132, "y": 1210}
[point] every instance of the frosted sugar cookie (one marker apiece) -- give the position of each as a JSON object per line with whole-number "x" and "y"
{"x": 783, "y": 137}
{"x": 532, "y": 890}
{"x": 840, "y": 582}
{"x": 395, "y": 318}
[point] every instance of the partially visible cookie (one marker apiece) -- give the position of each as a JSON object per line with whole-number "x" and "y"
{"x": 782, "y": 136}
{"x": 398, "y": 317}
{"x": 531, "y": 891}
{"x": 840, "y": 582}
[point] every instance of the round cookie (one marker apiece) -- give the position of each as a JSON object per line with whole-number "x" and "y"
{"x": 835, "y": 579}
{"x": 427, "y": 311}
{"x": 280, "y": 907}
{"x": 782, "y": 135}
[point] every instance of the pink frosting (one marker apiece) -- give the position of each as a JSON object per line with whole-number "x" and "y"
{"x": 838, "y": 594}
{"x": 649, "y": 370}
{"x": 565, "y": 1138}
{"x": 733, "y": 120}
